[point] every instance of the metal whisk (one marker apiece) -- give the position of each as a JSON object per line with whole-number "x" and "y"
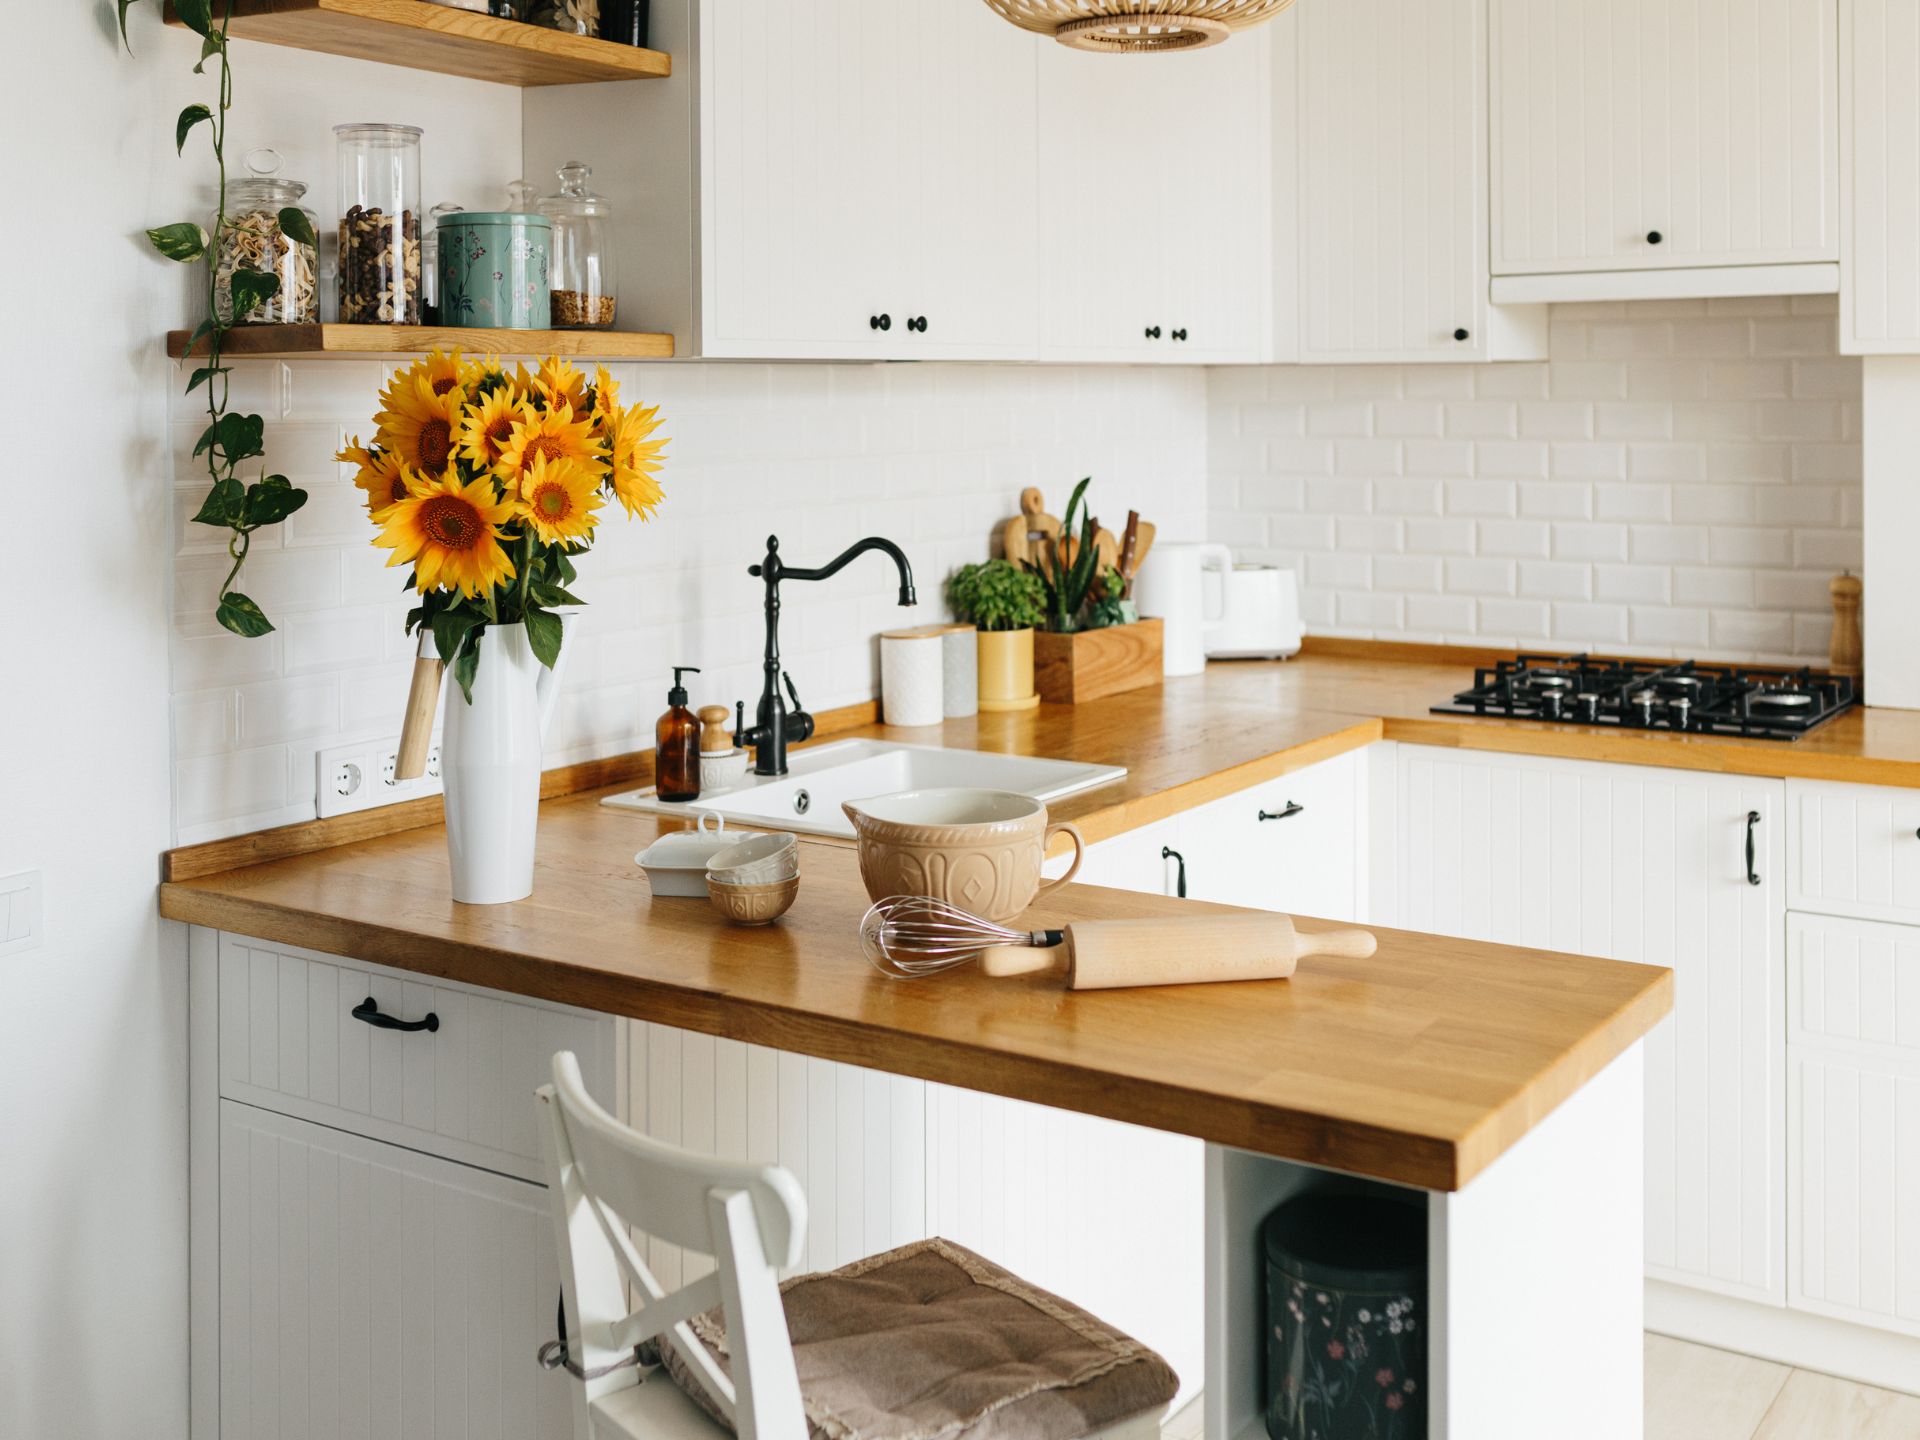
{"x": 909, "y": 937}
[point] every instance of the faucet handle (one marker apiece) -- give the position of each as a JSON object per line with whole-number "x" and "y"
{"x": 739, "y": 722}
{"x": 792, "y": 693}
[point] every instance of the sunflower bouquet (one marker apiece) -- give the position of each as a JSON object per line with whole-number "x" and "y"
{"x": 490, "y": 484}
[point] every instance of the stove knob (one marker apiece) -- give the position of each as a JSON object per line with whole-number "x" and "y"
{"x": 1589, "y": 707}
{"x": 1550, "y": 705}
{"x": 1682, "y": 709}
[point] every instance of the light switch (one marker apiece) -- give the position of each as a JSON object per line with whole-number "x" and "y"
{"x": 20, "y": 922}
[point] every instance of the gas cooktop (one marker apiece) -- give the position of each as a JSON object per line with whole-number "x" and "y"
{"x": 1749, "y": 700}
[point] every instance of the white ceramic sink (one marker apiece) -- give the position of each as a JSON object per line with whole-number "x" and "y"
{"x": 820, "y": 778}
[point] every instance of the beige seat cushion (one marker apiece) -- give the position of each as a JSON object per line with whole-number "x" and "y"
{"x": 932, "y": 1342}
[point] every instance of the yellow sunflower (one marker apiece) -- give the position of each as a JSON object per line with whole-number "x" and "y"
{"x": 556, "y": 435}
{"x": 636, "y": 459}
{"x": 559, "y": 382}
{"x": 488, "y": 426}
{"x": 420, "y": 425}
{"x": 606, "y": 396}
{"x": 450, "y": 533}
{"x": 380, "y": 475}
{"x": 558, "y": 498}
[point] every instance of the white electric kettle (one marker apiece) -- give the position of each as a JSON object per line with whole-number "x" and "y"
{"x": 1171, "y": 586}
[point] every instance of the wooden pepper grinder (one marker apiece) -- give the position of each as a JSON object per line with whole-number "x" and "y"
{"x": 1845, "y": 649}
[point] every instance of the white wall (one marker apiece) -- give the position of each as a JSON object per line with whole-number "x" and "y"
{"x": 1678, "y": 478}
{"x": 93, "y": 1225}
{"x": 933, "y": 456}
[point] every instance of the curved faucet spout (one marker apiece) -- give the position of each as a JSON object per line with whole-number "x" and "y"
{"x": 840, "y": 561}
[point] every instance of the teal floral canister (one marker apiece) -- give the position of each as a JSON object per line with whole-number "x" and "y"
{"x": 493, "y": 270}
{"x": 1346, "y": 1318}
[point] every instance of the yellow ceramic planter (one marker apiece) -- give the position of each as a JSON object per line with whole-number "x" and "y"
{"x": 1006, "y": 670}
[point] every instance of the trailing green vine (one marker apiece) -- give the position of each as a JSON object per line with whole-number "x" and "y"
{"x": 232, "y": 504}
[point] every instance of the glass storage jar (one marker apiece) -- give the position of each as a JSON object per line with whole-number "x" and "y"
{"x": 379, "y": 224}
{"x": 252, "y": 239}
{"x": 430, "y": 262}
{"x": 583, "y": 293}
{"x": 576, "y": 17}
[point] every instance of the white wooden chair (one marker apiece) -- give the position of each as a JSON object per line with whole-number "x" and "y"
{"x": 752, "y": 1219}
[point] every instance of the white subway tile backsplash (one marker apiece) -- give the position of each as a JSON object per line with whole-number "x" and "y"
{"x": 1408, "y": 418}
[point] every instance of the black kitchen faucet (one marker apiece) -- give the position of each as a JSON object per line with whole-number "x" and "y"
{"x": 775, "y": 725}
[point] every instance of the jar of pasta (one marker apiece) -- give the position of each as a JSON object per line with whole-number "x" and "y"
{"x": 254, "y": 237}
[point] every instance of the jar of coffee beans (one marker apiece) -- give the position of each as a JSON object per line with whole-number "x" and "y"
{"x": 379, "y": 224}
{"x": 253, "y": 238}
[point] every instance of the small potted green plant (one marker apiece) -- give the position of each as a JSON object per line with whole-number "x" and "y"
{"x": 1093, "y": 643}
{"x": 1003, "y": 603}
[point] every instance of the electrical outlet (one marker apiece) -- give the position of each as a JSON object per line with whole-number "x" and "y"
{"x": 361, "y": 777}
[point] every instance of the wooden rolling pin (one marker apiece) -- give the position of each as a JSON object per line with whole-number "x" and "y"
{"x": 423, "y": 698}
{"x": 1177, "y": 950}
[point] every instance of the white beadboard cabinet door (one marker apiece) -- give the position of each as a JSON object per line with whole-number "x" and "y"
{"x": 1637, "y": 863}
{"x": 1392, "y": 136}
{"x": 1879, "y": 183}
{"x": 1854, "y": 850}
{"x": 369, "y": 1290}
{"x": 1711, "y": 124}
{"x": 1296, "y": 844}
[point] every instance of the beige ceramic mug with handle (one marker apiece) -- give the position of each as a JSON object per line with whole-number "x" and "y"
{"x": 978, "y": 849}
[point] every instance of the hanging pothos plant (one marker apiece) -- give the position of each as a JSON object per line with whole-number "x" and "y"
{"x": 230, "y": 439}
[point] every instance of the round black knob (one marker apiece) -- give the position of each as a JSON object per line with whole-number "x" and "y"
{"x": 880, "y": 322}
{"x": 917, "y": 322}
{"x": 1153, "y": 332}
{"x": 1180, "y": 334}
{"x": 1654, "y": 237}
{"x": 1461, "y": 333}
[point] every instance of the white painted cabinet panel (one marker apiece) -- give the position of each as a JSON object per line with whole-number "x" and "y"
{"x": 1154, "y": 205}
{"x": 289, "y": 1041}
{"x": 1644, "y": 864}
{"x": 1133, "y": 860}
{"x": 1854, "y": 984}
{"x": 1708, "y": 123}
{"x": 1879, "y": 182}
{"x": 1295, "y": 844}
{"x": 1855, "y": 850}
{"x": 368, "y": 1290}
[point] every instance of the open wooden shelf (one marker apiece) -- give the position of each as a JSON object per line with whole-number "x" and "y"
{"x": 424, "y": 36}
{"x": 288, "y": 342}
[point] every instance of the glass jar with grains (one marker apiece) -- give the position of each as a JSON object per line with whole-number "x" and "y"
{"x": 379, "y": 224}
{"x": 583, "y": 294}
{"x": 252, "y": 239}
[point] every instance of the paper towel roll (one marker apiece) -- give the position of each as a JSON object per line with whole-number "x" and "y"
{"x": 911, "y": 669}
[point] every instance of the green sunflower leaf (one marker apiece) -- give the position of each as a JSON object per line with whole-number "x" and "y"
{"x": 184, "y": 241}
{"x": 467, "y": 664}
{"x": 271, "y": 499}
{"x": 224, "y": 506}
{"x": 295, "y": 225}
{"x": 450, "y": 628}
{"x": 242, "y": 616}
{"x": 544, "y": 633}
{"x": 183, "y": 127}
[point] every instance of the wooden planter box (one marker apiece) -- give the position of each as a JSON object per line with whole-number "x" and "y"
{"x": 1068, "y": 669}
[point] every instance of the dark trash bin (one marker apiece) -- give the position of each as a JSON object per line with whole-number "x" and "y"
{"x": 1346, "y": 1318}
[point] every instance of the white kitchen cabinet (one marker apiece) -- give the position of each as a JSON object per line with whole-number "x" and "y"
{"x": 1390, "y": 127}
{"x": 1636, "y": 863}
{"x": 1295, "y": 844}
{"x": 1649, "y": 136}
{"x": 1154, "y": 205}
{"x": 1879, "y": 185}
{"x": 1854, "y": 850}
{"x": 367, "y": 1289}
{"x": 1853, "y": 1140}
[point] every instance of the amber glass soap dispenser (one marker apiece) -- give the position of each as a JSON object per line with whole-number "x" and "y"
{"x": 676, "y": 742}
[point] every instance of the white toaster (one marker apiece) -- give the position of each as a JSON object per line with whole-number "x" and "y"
{"x": 1259, "y": 606}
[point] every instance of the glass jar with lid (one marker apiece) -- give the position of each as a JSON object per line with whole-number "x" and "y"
{"x": 430, "y": 262}
{"x": 379, "y": 224}
{"x": 252, "y": 239}
{"x": 583, "y": 293}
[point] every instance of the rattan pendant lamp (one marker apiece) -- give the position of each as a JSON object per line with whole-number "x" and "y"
{"x": 1136, "y": 27}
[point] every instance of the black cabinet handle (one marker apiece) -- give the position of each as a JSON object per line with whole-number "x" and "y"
{"x": 1180, "y": 879}
{"x": 1753, "y": 819}
{"x": 1153, "y": 332}
{"x": 1294, "y": 807}
{"x": 1654, "y": 237}
{"x": 917, "y": 322}
{"x": 880, "y": 322}
{"x": 1462, "y": 334}
{"x": 1181, "y": 333}
{"x": 368, "y": 1013}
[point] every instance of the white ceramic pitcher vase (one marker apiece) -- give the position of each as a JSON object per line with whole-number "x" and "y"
{"x": 490, "y": 764}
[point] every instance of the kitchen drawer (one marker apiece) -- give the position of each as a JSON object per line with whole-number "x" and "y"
{"x": 1853, "y": 1146}
{"x": 1854, "y": 850}
{"x": 1293, "y": 844}
{"x": 366, "y": 1289}
{"x": 289, "y": 1042}
{"x": 1854, "y": 985}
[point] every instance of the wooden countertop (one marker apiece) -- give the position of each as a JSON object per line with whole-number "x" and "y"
{"x": 1419, "y": 1065}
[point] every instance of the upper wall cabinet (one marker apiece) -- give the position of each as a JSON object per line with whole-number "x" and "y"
{"x": 1880, "y": 184}
{"x": 1383, "y": 103}
{"x": 1643, "y": 136}
{"x": 1154, "y": 204}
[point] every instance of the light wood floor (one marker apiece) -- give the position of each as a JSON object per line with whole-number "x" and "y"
{"x": 1697, "y": 1393}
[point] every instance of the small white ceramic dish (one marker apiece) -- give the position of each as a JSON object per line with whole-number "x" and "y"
{"x": 763, "y": 860}
{"x": 722, "y": 770}
{"x": 677, "y": 864}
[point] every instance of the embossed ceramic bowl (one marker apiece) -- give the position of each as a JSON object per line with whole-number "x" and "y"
{"x": 762, "y": 860}
{"x": 753, "y": 904}
{"x": 978, "y": 849}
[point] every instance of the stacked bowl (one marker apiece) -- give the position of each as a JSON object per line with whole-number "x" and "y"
{"x": 754, "y": 882}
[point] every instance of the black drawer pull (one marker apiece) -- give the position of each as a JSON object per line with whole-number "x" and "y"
{"x": 880, "y": 322}
{"x": 1753, "y": 875}
{"x": 1180, "y": 880}
{"x": 1294, "y": 807}
{"x": 367, "y": 1012}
